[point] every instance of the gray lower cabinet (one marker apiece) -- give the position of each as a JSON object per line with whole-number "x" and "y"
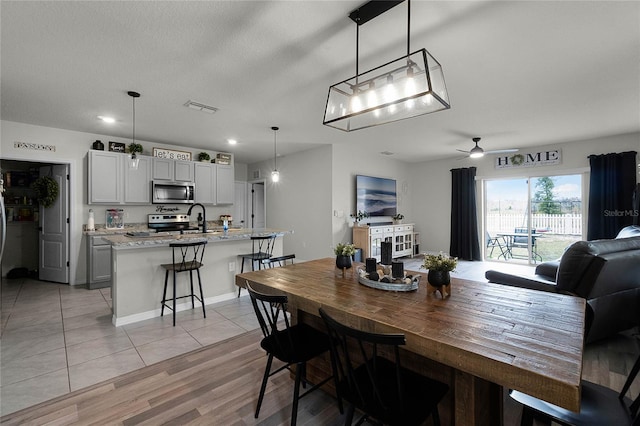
{"x": 98, "y": 263}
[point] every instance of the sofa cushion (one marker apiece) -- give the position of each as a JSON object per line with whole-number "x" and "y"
{"x": 549, "y": 270}
{"x": 582, "y": 262}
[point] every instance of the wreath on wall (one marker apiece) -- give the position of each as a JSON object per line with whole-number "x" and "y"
{"x": 46, "y": 189}
{"x": 517, "y": 159}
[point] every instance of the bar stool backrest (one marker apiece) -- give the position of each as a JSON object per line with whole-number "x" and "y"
{"x": 188, "y": 256}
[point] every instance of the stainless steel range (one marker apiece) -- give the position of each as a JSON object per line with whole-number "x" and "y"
{"x": 170, "y": 222}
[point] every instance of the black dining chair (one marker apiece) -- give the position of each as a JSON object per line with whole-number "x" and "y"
{"x": 383, "y": 389}
{"x": 187, "y": 257}
{"x": 599, "y": 405}
{"x": 291, "y": 344}
{"x": 261, "y": 249}
{"x": 279, "y": 261}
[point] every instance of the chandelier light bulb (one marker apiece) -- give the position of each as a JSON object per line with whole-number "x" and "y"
{"x": 356, "y": 103}
{"x": 275, "y": 176}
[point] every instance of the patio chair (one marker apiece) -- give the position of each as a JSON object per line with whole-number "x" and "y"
{"x": 493, "y": 242}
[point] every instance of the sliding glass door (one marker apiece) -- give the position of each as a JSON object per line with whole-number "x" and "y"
{"x": 532, "y": 219}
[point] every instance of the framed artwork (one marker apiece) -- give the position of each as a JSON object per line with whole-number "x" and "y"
{"x": 171, "y": 154}
{"x": 116, "y": 146}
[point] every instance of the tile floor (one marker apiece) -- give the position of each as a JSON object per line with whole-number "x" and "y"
{"x": 58, "y": 338}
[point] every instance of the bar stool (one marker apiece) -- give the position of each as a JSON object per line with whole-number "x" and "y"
{"x": 261, "y": 249}
{"x": 186, "y": 257}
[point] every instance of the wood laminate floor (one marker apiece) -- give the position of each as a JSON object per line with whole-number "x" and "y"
{"x": 216, "y": 383}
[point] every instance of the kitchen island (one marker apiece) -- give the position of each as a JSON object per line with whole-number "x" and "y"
{"x": 138, "y": 278}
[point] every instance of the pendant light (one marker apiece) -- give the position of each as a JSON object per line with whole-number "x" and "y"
{"x": 409, "y": 86}
{"x": 134, "y": 160}
{"x": 275, "y": 174}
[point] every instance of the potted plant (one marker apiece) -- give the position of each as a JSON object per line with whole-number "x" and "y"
{"x": 204, "y": 157}
{"x": 135, "y": 148}
{"x": 343, "y": 252}
{"x": 439, "y": 266}
{"x": 357, "y": 217}
{"x": 46, "y": 189}
{"x": 398, "y": 218}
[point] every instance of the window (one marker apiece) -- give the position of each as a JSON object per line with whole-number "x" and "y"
{"x": 532, "y": 219}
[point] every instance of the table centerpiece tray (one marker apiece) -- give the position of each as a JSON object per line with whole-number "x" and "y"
{"x": 387, "y": 286}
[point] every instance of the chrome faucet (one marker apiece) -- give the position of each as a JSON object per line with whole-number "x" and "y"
{"x": 204, "y": 216}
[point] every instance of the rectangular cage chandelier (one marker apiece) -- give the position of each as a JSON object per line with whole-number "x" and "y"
{"x": 406, "y": 87}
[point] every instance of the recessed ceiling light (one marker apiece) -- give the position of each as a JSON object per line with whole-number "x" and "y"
{"x": 232, "y": 141}
{"x": 109, "y": 120}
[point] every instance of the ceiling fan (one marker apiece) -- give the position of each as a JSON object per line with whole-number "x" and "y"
{"x": 477, "y": 152}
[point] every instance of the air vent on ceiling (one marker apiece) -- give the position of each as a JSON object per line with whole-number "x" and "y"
{"x": 201, "y": 107}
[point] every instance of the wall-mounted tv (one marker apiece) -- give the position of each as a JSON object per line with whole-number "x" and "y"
{"x": 376, "y": 196}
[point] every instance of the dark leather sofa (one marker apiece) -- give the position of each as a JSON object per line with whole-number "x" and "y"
{"x": 605, "y": 272}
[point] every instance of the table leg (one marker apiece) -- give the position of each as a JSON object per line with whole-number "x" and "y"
{"x": 477, "y": 401}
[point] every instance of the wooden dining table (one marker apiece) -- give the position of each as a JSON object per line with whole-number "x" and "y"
{"x": 482, "y": 340}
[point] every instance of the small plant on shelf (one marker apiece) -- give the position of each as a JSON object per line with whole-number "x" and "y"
{"x": 135, "y": 148}
{"x": 360, "y": 215}
{"x": 345, "y": 249}
{"x": 203, "y": 156}
{"x": 439, "y": 262}
{"x": 398, "y": 217}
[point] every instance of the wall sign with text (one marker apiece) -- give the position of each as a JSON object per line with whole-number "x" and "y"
{"x": 171, "y": 154}
{"x": 529, "y": 159}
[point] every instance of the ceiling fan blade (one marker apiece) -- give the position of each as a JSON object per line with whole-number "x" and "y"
{"x": 501, "y": 151}
{"x": 462, "y": 150}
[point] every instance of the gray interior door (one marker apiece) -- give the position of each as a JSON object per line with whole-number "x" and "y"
{"x": 53, "y": 240}
{"x": 258, "y": 207}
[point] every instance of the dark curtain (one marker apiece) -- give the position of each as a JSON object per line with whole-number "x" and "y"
{"x": 464, "y": 218}
{"x": 611, "y": 187}
{"x": 636, "y": 203}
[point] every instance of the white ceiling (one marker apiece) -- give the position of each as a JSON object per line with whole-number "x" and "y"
{"x": 519, "y": 73}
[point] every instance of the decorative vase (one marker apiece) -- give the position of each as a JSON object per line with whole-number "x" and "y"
{"x": 438, "y": 278}
{"x": 343, "y": 262}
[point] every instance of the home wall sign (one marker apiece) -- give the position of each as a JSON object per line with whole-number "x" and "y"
{"x": 171, "y": 154}
{"x": 36, "y": 146}
{"x": 529, "y": 159}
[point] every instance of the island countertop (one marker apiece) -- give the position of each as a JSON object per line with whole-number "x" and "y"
{"x": 136, "y": 240}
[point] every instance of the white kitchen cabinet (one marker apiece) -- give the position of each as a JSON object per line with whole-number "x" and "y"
{"x": 98, "y": 262}
{"x": 173, "y": 170}
{"x": 137, "y": 182}
{"x": 111, "y": 180}
{"x": 369, "y": 239}
{"x": 225, "y": 175}
{"x": 205, "y": 175}
{"x": 214, "y": 183}
{"x": 105, "y": 177}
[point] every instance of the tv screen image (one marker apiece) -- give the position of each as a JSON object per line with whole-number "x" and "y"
{"x": 375, "y": 195}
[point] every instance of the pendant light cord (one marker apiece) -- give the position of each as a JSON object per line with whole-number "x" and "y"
{"x": 408, "y": 26}
{"x": 275, "y": 152}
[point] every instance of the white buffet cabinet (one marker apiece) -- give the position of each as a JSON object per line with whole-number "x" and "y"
{"x": 369, "y": 239}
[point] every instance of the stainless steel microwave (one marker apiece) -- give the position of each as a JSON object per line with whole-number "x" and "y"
{"x": 167, "y": 192}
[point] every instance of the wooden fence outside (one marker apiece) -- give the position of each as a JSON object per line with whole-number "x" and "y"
{"x": 564, "y": 224}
